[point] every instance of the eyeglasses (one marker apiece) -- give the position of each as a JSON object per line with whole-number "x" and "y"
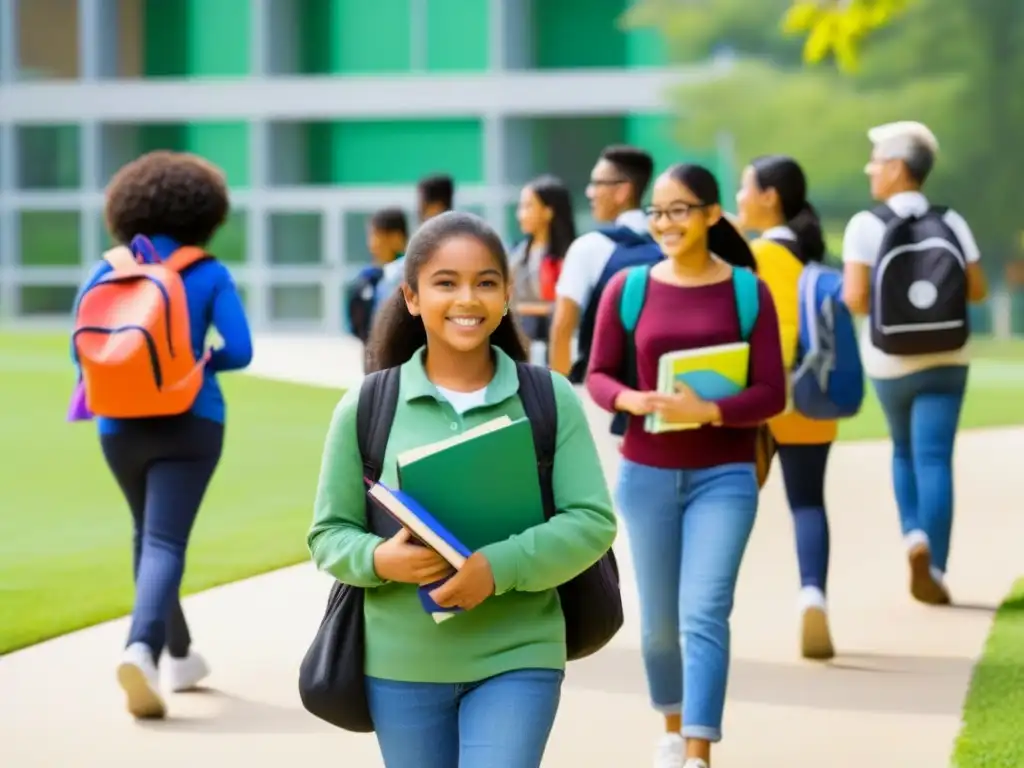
{"x": 606, "y": 182}
{"x": 676, "y": 213}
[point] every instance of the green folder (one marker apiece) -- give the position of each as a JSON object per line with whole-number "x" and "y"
{"x": 481, "y": 485}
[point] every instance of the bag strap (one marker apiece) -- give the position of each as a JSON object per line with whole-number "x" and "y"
{"x": 121, "y": 259}
{"x": 378, "y": 401}
{"x": 537, "y": 393}
{"x": 885, "y": 213}
{"x": 634, "y": 294}
{"x": 744, "y": 283}
{"x": 185, "y": 257}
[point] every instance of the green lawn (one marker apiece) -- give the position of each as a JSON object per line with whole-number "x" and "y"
{"x": 65, "y": 559}
{"x": 64, "y": 531}
{"x": 993, "y": 393}
{"x": 992, "y": 736}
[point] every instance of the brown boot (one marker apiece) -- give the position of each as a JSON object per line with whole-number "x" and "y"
{"x": 924, "y": 587}
{"x": 815, "y": 638}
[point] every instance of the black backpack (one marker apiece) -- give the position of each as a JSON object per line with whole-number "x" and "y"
{"x": 360, "y": 295}
{"x": 918, "y": 285}
{"x": 331, "y": 676}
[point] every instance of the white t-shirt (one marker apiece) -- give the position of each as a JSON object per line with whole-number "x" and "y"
{"x": 588, "y": 256}
{"x": 861, "y": 243}
{"x": 463, "y": 401}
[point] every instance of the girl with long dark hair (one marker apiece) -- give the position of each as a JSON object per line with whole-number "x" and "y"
{"x": 773, "y": 200}
{"x": 545, "y": 217}
{"x": 688, "y": 497}
{"x": 483, "y": 688}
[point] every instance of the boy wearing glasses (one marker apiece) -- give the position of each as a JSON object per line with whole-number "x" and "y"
{"x": 617, "y": 186}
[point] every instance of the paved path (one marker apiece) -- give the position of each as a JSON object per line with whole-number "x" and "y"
{"x": 891, "y": 698}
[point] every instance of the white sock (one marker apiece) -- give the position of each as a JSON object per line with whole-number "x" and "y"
{"x": 915, "y": 539}
{"x": 811, "y": 597}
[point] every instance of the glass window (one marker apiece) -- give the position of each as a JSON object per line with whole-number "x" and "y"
{"x": 50, "y": 238}
{"x": 48, "y": 157}
{"x": 47, "y": 39}
{"x": 230, "y": 243}
{"x": 296, "y": 302}
{"x": 226, "y": 145}
{"x": 47, "y": 299}
{"x": 296, "y": 238}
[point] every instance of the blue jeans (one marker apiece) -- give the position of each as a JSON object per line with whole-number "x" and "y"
{"x": 923, "y": 411}
{"x": 501, "y": 722}
{"x": 687, "y": 530}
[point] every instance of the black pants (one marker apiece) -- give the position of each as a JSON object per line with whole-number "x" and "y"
{"x": 163, "y": 467}
{"x": 803, "y": 470}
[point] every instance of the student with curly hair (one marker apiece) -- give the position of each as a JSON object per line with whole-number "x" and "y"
{"x": 160, "y": 205}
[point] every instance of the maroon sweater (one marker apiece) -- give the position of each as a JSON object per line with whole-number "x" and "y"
{"x": 673, "y": 319}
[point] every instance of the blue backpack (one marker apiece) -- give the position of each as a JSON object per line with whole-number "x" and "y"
{"x": 632, "y": 249}
{"x": 631, "y": 304}
{"x": 828, "y": 382}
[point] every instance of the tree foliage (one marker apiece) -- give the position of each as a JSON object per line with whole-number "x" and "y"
{"x": 956, "y": 66}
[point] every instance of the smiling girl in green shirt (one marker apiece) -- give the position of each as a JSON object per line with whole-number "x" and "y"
{"x": 482, "y": 689}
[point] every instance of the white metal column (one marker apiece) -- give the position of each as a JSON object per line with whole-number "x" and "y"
{"x": 257, "y": 293}
{"x": 97, "y": 57}
{"x": 419, "y": 35}
{"x": 9, "y": 235}
{"x": 495, "y": 175}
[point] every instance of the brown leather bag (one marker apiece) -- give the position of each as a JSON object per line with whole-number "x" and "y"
{"x": 764, "y": 453}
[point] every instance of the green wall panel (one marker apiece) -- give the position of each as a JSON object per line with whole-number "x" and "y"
{"x": 574, "y": 33}
{"x": 655, "y": 134}
{"x": 457, "y": 36}
{"x": 164, "y": 50}
{"x": 224, "y": 144}
{"x": 401, "y": 151}
{"x": 203, "y": 38}
{"x": 370, "y": 36}
{"x": 314, "y": 24}
{"x": 218, "y": 38}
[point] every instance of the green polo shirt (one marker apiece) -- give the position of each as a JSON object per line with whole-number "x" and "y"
{"x": 521, "y": 625}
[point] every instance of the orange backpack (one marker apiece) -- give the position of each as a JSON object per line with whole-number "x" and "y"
{"x": 133, "y": 338}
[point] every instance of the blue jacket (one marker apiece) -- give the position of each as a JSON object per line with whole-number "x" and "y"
{"x": 213, "y": 301}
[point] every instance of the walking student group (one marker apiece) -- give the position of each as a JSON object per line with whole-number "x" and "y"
{"x": 462, "y": 509}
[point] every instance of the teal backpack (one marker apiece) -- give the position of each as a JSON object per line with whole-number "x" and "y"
{"x": 631, "y": 304}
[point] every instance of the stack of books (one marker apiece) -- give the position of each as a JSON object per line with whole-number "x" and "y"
{"x": 713, "y": 373}
{"x": 463, "y": 493}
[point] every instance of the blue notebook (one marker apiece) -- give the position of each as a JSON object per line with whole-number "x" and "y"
{"x": 410, "y": 514}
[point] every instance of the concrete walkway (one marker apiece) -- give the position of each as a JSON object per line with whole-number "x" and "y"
{"x": 891, "y": 698}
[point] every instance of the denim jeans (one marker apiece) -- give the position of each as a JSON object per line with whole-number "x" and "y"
{"x": 923, "y": 411}
{"x": 687, "y": 531}
{"x": 501, "y": 722}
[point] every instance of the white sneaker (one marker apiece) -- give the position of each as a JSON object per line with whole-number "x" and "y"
{"x": 138, "y": 676}
{"x": 669, "y": 752}
{"x": 695, "y": 762}
{"x": 185, "y": 674}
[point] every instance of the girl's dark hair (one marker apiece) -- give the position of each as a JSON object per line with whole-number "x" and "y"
{"x": 396, "y": 333}
{"x": 784, "y": 174}
{"x": 553, "y": 193}
{"x": 724, "y": 240}
{"x": 176, "y": 194}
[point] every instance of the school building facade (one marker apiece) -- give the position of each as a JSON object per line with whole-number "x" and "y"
{"x": 319, "y": 111}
